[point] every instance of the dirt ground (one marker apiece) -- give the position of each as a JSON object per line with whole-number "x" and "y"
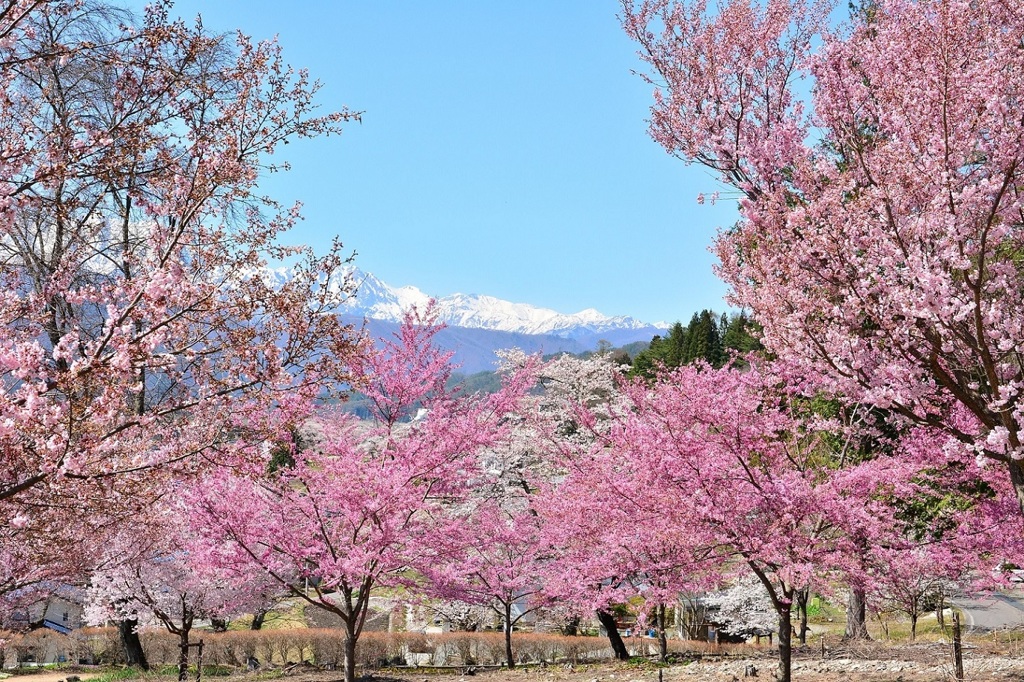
{"x": 930, "y": 662}
{"x": 49, "y": 676}
{"x": 730, "y": 670}
{"x": 926, "y": 662}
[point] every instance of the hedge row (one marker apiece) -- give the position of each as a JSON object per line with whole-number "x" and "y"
{"x": 325, "y": 647}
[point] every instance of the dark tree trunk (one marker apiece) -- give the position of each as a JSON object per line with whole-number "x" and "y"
{"x": 510, "y": 660}
{"x": 257, "y": 619}
{"x": 350, "y": 655}
{"x": 856, "y": 615}
{"x": 802, "y": 597}
{"x": 1017, "y": 477}
{"x": 785, "y": 644}
{"x": 782, "y": 600}
{"x": 913, "y": 627}
{"x": 607, "y": 621}
{"x": 353, "y": 614}
{"x": 662, "y": 636}
{"x": 133, "y": 652}
{"x": 183, "y": 656}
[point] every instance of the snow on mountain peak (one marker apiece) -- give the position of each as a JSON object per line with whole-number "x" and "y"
{"x": 376, "y": 300}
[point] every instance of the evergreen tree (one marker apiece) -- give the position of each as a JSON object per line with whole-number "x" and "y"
{"x": 740, "y": 334}
{"x": 708, "y": 337}
{"x": 703, "y": 340}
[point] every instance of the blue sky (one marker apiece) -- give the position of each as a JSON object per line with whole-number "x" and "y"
{"x": 503, "y": 151}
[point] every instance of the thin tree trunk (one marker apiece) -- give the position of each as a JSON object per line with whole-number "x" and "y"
{"x": 350, "y": 653}
{"x": 803, "y": 596}
{"x": 1017, "y": 477}
{"x": 856, "y": 615}
{"x": 607, "y": 621}
{"x": 131, "y": 644}
{"x": 662, "y": 637}
{"x": 510, "y": 660}
{"x": 913, "y": 627}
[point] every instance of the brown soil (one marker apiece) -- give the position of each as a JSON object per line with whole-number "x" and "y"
{"x": 926, "y": 662}
{"x": 911, "y": 663}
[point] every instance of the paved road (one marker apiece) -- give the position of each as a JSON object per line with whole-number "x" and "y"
{"x": 997, "y": 611}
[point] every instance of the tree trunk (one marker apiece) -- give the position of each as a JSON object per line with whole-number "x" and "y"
{"x": 131, "y": 644}
{"x": 607, "y": 621}
{"x": 913, "y": 627}
{"x": 662, "y": 637}
{"x": 571, "y": 627}
{"x": 1017, "y": 479}
{"x": 803, "y": 596}
{"x": 856, "y": 615}
{"x": 958, "y": 654}
{"x": 257, "y": 619}
{"x": 785, "y": 644}
{"x": 510, "y": 660}
{"x": 350, "y": 654}
{"x": 183, "y": 656}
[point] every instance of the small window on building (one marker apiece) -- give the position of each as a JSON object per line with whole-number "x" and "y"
{"x": 64, "y": 617}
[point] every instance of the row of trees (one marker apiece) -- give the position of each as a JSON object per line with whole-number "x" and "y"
{"x": 150, "y": 374}
{"x": 573, "y": 487}
{"x": 715, "y": 340}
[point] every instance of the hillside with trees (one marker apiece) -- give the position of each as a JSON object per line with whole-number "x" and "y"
{"x": 714, "y": 339}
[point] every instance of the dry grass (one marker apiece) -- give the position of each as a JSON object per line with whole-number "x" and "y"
{"x": 325, "y": 647}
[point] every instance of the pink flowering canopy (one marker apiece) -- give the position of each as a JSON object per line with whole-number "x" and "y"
{"x": 140, "y": 330}
{"x": 881, "y": 220}
{"x": 707, "y": 474}
{"x": 702, "y": 474}
{"x": 364, "y": 503}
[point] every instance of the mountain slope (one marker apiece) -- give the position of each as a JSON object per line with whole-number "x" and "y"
{"x": 477, "y": 326}
{"x": 376, "y": 300}
{"x": 475, "y": 349}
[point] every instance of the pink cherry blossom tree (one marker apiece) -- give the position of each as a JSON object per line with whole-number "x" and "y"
{"x": 719, "y": 464}
{"x": 362, "y": 508}
{"x": 140, "y": 329}
{"x": 495, "y": 557}
{"x": 926, "y": 527}
{"x": 149, "y": 577}
{"x": 573, "y": 404}
{"x": 880, "y": 224}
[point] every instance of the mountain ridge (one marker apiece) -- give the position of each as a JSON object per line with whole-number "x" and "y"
{"x": 478, "y": 325}
{"x": 377, "y": 300}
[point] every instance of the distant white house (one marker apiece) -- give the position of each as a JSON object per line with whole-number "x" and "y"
{"x": 45, "y": 623}
{"x": 60, "y": 609}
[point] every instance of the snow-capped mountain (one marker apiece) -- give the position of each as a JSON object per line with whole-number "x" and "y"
{"x": 377, "y": 300}
{"x": 477, "y": 326}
